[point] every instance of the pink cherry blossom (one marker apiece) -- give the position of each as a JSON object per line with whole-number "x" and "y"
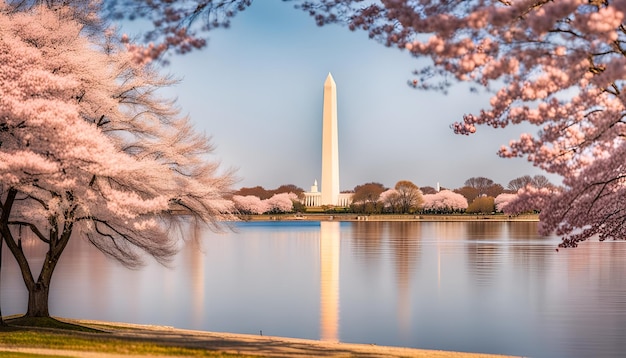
{"x": 501, "y": 201}
{"x": 445, "y": 201}
{"x": 278, "y": 203}
{"x": 180, "y": 26}
{"x": 281, "y": 203}
{"x": 89, "y": 151}
{"x": 250, "y": 204}
{"x": 557, "y": 65}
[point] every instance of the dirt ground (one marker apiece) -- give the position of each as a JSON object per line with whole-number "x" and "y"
{"x": 265, "y": 346}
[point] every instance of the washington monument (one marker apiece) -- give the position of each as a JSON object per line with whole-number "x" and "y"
{"x": 330, "y": 150}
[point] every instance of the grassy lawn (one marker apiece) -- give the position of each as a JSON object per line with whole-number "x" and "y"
{"x": 50, "y": 333}
{"x": 27, "y": 355}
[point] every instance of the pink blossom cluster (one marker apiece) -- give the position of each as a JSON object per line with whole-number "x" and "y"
{"x": 445, "y": 200}
{"x": 88, "y": 149}
{"x": 527, "y": 199}
{"x": 177, "y": 25}
{"x": 501, "y": 201}
{"x": 557, "y": 65}
{"x": 251, "y": 204}
{"x": 389, "y": 197}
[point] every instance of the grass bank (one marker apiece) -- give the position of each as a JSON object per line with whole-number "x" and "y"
{"x": 81, "y": 338}
{"x": 43, "y": 337}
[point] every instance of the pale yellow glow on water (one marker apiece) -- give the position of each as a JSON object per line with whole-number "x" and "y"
{"x": 329, "y": 280}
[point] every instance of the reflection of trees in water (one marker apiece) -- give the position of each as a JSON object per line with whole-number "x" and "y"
{"x": 193, "y": 254}
{"x": 367, "y": 238}
{"x": 483, "y": 230}
{"x": 596, "y": 286}
{"x": 483, "y": 254}
{"x": 524, "y": 230}
{"x": 402, "y": 241}
{"x": 530, "y": 254}
{"x": 449, "y": 230}
{"x": 405, "y": 244}
{"x": 482, "y": 262}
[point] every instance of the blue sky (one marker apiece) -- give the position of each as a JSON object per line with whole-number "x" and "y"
{"x": 257, "y": 91}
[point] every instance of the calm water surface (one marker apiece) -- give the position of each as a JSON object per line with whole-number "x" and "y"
{"x": 464, "y": 286}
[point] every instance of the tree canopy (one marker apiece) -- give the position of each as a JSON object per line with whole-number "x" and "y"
{"x": 88, "y": 149}
{"x": 538, "y": 181}
{"x": 367, "y": 193}
{"x": 444, "y": 201}
{"x": 409, "y": 196}
{"x": 558, "y": 65}
{"x": 482, "y": 205}
{"x": 179, "y": 26}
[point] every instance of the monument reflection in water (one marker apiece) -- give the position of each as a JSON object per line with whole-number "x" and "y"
{"x": 329, "y": 280}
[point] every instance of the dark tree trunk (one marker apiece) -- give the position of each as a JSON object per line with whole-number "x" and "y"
{"x": 38, "y": 301}
{"x": 6, "y": 209}
{"x": 2, "y": 323}
{"x": 38, "y": 291}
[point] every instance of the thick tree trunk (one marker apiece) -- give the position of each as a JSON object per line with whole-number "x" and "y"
{"x": 38, "y": 292}
{"x": 38, "y": 301}
{"x": 2, "y": 323}
{"x": 4, "y": 217}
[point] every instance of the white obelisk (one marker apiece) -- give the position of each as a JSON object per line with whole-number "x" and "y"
{"x": 330, "y": 150}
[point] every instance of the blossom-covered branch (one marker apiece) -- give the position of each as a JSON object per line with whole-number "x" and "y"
{"x": 90, "y": 150}
{"x": 180, "y": 26}
{"x": 557, "y": 65}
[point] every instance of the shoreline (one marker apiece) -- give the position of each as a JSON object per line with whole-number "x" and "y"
{"x": 393, "y": 217}
{"x": 233, "y": 343}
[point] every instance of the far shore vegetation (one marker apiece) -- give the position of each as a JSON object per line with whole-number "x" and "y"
{"x": 346, "y": 216}
{"x": 478, "y": 196}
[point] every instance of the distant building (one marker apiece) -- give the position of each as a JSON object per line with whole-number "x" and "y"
{"x": 329, "y": 195}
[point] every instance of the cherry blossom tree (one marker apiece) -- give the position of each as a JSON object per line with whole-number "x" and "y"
{"x": 502, "y": 201}
{"x": 281, "y": 203}
{"x": 250, "y": 204}
{"x": 179, "y": 26}
{"x": 557, "y": 65}
{"x": 444, "y": 201}
{"x": 176, "y": 26}
{"x": 88, "y": 150}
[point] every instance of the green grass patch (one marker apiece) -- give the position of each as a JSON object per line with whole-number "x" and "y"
{"x": 48, "y": 322}
{"x": 28, "y": 355}
{"x": 99, "y": 343}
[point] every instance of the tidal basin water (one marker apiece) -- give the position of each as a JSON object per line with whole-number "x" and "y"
{"x": 464, "y": 286}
